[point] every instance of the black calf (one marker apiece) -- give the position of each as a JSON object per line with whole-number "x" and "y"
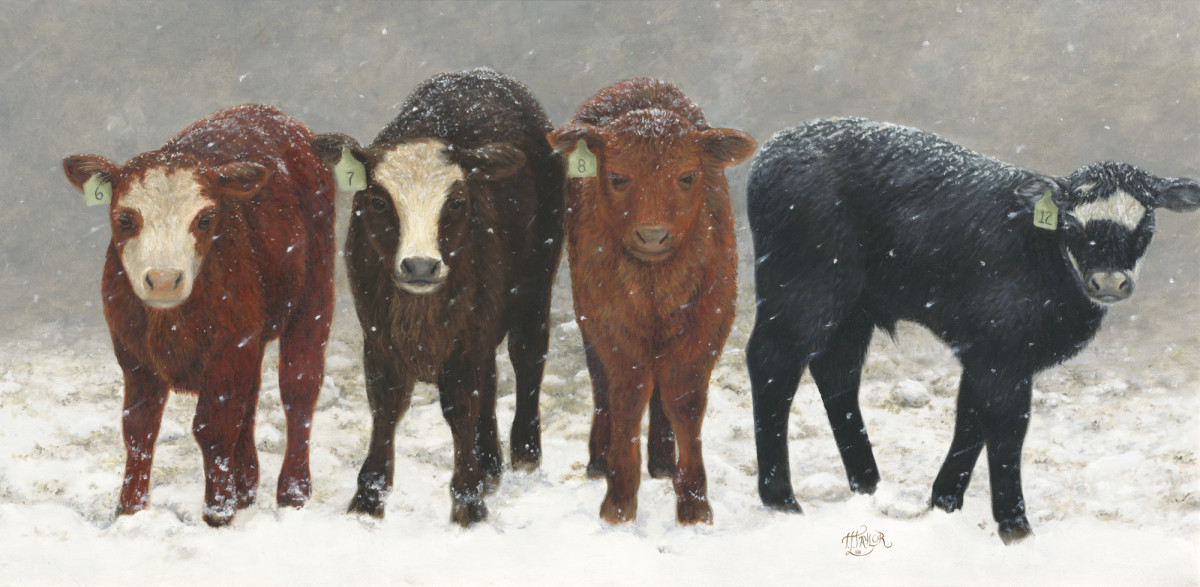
{"x": 859, "y": 224}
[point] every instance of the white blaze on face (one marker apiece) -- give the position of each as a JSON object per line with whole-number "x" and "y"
{"x": 418, "y": 177}
{"x": 1120, "y": 207}
{"x": 168, "y": 205}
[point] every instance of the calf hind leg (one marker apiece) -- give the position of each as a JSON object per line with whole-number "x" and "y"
{"x": 776, "y": 362}
{"x": 837, "y": 371}
{"x": 660, "y": 444}
{"x": 528, "y": 344}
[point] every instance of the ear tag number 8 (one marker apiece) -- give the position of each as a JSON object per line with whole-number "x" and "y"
{"x": 97, "y": 190}
{"x": 581, "y": 162}
{"x": 350, "y": 173}
{"x": 1045, "y": 213}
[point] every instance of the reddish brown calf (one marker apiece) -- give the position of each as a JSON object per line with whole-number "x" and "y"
{"x": 222, "y": 241}
{"x": 654, "y": 277}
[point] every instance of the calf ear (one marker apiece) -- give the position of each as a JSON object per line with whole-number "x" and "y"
{"x": 80, "y": 168}
{"x": 329, "y": 147}
{"x": 1033, "y": 190}
{"x": 565, "y": 138}
{"x": 491, "y": 162}
{"x": 727, "y": 146}
{"x": 1178, "y": 195}
{"x": 241, "y": 180}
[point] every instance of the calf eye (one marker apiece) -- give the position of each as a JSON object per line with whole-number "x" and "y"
{"x": 125, "y": 221}
{"x": 456, "y": 203}
{"x": 619, "y": 182}
{"x": 378, "y": 203}
{"x": 688, "y": 179}
{"x": 204, "y": 223}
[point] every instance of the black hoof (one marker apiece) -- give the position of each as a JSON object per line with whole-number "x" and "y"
{"x": 947, "y": 503}
{"x": 1015, "y": 531}
{"x": 364, "y": 504}
{"x": 468, "y": 512}
{"x": 662, "y": 470}
{"x": 597, "y": 470}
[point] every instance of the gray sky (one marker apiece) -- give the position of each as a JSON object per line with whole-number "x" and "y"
{"x": 1047, "y": 85}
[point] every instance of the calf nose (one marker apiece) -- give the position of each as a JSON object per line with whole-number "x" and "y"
{"x": 652, "y": 238}
{"x": 419, "y": 270}
{"x": 1109, "y": 286}
{"x": 164, "y": 283}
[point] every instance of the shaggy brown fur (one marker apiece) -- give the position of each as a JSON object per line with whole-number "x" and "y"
{"x": 267, "y": 272}
{"x": 502, "y": 244}
{"x": 654, "y": 275}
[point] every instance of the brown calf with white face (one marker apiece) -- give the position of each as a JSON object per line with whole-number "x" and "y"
{"x": 654, "y": 278}
{"x": 222, "y": 241}
{"x": 452, "y": 246}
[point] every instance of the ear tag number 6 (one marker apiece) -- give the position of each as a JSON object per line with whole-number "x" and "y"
{"x": 350, "y": 173}
{"x": 97, "y": 190}
{"x": 581, "y": 162}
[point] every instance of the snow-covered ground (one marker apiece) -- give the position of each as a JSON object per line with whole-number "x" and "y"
{"x": 1110, "y": 474}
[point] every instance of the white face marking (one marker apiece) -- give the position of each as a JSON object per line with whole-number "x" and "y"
{"x": 1120, "y": 207}
{"x": 168, "y": 204}
{"x": 418, "y": 177}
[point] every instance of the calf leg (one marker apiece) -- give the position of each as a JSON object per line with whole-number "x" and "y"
{"x": 460, "y": 387}
{"x": 630, "y": 391}
{"x": 955, "y": 474}
{"x": 661, "y": 441}
{"x": 598, "y": 440}
{"x": 389, "y": 394}
{"x": 301, "y": 371}
{"x": 837, "y": 371}
{"x": 776, "y": 362}
{"x": 145, "y": 398}
{"x": 245, "y": 459}
{"x": 487, "y": 449}
{"x": 1000, "y": 397}
{"x": 221, "y": 414}
{"x": 684, "y": 397}
{"x": 528, "y": 343}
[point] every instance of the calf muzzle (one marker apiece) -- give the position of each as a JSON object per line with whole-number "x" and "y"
{"x": 420, "y": 275}
{"x": 1109, "y": 286}
{"x": 164, "y": 287}
{"x": 652, "y": 242}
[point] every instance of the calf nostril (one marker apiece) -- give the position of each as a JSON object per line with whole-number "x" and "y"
{"x": 666, "y": 235}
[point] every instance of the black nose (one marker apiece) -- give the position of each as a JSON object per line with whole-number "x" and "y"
{"x": 419, "y": 269}
{"x": 1109, "y": 286}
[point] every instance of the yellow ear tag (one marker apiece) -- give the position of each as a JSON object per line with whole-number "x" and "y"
{"x": 350, "y": 173}
{"x": 581, "y": 162}
{"x": 97, "y": 190}
{"x": 1045, "y": 213}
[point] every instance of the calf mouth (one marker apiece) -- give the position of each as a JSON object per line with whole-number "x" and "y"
{"x": 650, "y": 256}
{"x": 419, "y": 286}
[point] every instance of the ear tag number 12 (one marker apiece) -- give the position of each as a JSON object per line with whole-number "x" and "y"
{"x": 350, "y": 173}
{"x": 97, "y": 190}
{"x": 1045, "y": 213}
{"x": 581, "y": 162}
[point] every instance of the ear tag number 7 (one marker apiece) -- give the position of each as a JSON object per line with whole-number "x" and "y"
{"x": 350, "y": 173}
{"x": 581, "y": 162}
{"x": 97, "y": 190}
{"x": 1045, "y": 213}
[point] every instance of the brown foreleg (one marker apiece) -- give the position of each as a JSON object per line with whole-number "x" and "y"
{"x": 684, "y": 388}
{"x": 631, "y": 386}
{"x": 230, "y": 388}
{"x": 459, "y": 389}
{"x": 145, "y": 398}
{"x": 301, "y": 372}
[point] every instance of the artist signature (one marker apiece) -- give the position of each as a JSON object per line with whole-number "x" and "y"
{"x": 861, "y": 542}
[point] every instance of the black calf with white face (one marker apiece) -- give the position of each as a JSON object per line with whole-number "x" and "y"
{"x": 1108, "y": 220}
{"x": 860, "y": 224}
